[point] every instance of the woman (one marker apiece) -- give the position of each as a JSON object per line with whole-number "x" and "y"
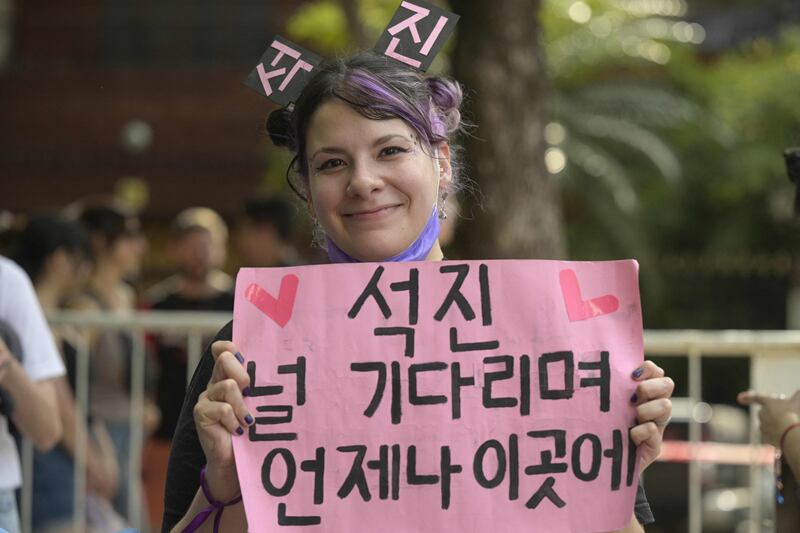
{"x": 55, "y": 254}
{"x": 779, "y": 423}
{"x": 117, "y": 246}
{"x": 371, "y": 145}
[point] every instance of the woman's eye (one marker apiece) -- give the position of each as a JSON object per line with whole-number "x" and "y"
{"x": 393, "y": 150}
{"x": 330, "y": 163}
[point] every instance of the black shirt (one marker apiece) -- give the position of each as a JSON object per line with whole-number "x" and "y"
{"x": 186, "y": 456}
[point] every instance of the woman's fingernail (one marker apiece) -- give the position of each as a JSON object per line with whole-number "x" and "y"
{"x": 638, "y": 373}
{"x": 239, "y": 357}
{"x": 239, "y": 431}
{"x": 246, "y": 391}
{"x": 634, "y": 398}
{"x": 248, "y": 420}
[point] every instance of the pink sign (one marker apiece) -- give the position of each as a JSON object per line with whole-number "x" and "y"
{"x": 426, "y": 397}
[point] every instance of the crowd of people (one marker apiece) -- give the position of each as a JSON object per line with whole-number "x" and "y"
{"x": 88, "y": 257}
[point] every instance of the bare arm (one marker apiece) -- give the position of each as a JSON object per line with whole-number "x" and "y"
{"x": 35, "y": 407}
{"x": 778, "y": 414}
{"x": 223, "y": 488}
{"x": 791, "y": 450}
{"x": 101, "y": 466}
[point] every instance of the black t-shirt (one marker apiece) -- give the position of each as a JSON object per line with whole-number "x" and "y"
{"x": 171, "y": 355}
{"x": 186, "y": 456}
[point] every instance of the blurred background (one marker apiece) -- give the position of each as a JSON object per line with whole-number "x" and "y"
{"x": 604, "y": 129}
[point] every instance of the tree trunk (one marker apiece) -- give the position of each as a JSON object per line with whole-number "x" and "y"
{"x": 498, "y": 59}
{"x": 354, "y": 23}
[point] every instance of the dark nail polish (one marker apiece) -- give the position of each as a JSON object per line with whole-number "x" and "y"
{"x": 239, "y": 431}
{"x": 638, "y": 373}
{"x": 634, "y": 398}
{"x": 246, "y": 391}
{"x": 239, "y": 357}
{"x": 249, "y": 420}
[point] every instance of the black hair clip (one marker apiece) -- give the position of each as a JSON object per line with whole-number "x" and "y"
{"x": 282, "y": 72}
{"x": 416, "y": 33}
{"x": 792, "y": 158}
{"x": 414, "y": 36}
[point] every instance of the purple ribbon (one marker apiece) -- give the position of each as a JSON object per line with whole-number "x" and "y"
{"x": 418, "y": 250}
{"x": 203, "y": 515}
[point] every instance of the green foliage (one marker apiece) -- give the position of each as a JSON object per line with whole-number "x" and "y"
{"x": 674, "y": 157}
{"x": 606, "y": 63}
{"x": 323, "y": 24}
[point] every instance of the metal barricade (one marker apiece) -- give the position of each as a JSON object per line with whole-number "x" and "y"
{"x": 694, "y": 345}
{"x": 194, "y": 325}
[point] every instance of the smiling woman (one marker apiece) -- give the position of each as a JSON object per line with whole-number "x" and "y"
{"x": 374, "y": 160}
{"x": 372, "y": 143}
{"x": 373, "y": 186}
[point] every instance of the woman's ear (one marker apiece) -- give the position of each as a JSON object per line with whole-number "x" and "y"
{"x": 59, "y": 261}
{"x": 442, "y": 157}
{"x": 310, "y": 204}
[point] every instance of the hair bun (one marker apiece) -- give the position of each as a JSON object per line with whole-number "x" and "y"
{"x": 280, "y": 129}
{"x": 447, "y": 96}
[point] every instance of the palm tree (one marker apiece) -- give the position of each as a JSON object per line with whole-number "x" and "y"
{"x": 608, "y": 105}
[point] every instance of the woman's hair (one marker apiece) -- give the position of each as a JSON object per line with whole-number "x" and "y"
{"x": 108, "y": 220}
{"x": 43, "y": 236}
{"x": 379, "y": 88}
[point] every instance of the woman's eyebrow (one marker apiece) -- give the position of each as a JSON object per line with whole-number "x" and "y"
{"x": 389, "y": 137}
{"x": 380, "y": 140}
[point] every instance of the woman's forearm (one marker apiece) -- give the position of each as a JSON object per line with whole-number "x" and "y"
{"x": 35, "y": 407}
{"x": 233, "y": 517}
{"x": 224, "y": 486}
{"x": 791, "y": 450}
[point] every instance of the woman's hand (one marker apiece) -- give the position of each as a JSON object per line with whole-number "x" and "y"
{"x": 220, "y": 415}
{"x": 653, "y": 410}
{"x": 102, "y": 468}
{"x": 777, "y": 413}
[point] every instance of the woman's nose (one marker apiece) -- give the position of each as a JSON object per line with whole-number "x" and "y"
{"x": 364, "y": 180}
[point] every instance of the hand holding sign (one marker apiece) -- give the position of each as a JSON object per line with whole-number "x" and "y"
{"x": 653, "y": 410}
{"x": 219, "y": 413}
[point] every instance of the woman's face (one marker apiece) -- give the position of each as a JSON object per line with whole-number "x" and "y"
{"x": 127, "y": 250}
{"x": 373, "y": 184}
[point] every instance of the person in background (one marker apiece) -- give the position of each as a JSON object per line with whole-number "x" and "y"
{"x": 55, "y": 253}
{"x": 780, "y": 422}
{"x": 117, "y": 247}
{"x": 27, "y": 380}
{"x": 197, "y": 249}
{"x": 264, "y": 234}
{"x": 779, "y": 419}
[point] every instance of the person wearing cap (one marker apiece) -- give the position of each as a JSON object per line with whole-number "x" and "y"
{"x": 197, "y": 248}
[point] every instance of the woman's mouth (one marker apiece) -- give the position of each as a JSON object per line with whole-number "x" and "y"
{"x": 371, "y": 214}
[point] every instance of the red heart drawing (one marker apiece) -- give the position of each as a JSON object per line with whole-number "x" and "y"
{"x": 280, "y": 309}
{"x": 577, "y": 307}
